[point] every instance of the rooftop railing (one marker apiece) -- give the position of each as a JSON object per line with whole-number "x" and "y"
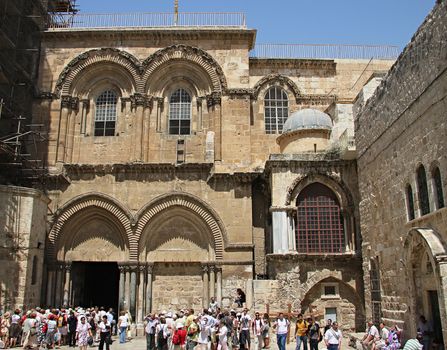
{"x": 325, "y": 51}
{"x": 146, "y": 20}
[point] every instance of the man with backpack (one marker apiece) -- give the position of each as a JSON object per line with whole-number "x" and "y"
{"x": 301, "y": 332}
{"x": 151, "y": 324}
{"x": 163, "y": 334}
{"x": 193, "y": 333}
{"x": 314, "y": 333}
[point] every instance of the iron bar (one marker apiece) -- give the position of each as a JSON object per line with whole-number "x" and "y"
{"x": 324, "y": 51}
{"x": 77, "y": 21}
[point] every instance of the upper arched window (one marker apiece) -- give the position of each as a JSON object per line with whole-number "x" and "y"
{"x": 105, "y": 114}
{"x": 410, "y": 202}
{"x": 424, "y": 203}
{"x": 276, "y": 109}
{"x": 437, "y": 183}
{"x": 319, "y": 227}
{"x": 180, "y": 113}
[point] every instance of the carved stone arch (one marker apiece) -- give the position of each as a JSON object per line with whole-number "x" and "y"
{"x": 276, "y": 79}
{"x": 335, "y": 277}
{"x": 82, "y": 203}
{"x": 418, "y": 242}
{"x": 190, "y": 54}
{"x": 190, "y": 202}
{"x": 331, "y": 180}
{"x": 93, "y": 57}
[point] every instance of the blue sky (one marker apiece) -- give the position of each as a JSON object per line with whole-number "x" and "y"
{"x": 374, "y": 22}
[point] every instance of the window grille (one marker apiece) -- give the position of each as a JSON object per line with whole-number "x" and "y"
{"x": 438, "y": 188}
{"x": 276, "y": 110}
{"x": 424, "y": 204}
{"x": 376, "y": 294}
{"x": 180, "y": 113}
{"x": 410, "y": 203}
{"x": 319, "y": 226}
{"x": 105, "y": 114}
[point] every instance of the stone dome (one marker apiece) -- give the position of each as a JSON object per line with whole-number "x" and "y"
{"x": 307, "y": 119}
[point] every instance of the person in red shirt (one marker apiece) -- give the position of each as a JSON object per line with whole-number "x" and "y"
{"x": 179, "y": 337}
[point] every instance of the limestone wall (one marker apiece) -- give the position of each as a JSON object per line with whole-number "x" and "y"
{"x": 401, "y": 127}
{"x": 23, "y": 229}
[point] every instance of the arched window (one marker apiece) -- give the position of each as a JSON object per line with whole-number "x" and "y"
{"x": 276, "y": 110}
{"x": 319, "y": 226}
{"x": 180, "y": 113}
{"x": 105, "y": 114}
{"x": 424, "y": 204}
{"x": 376, "y": 294}
{"x": 410, "y": 202}
{"x": 34, "y": 271}
{"x": 437, "y": 182}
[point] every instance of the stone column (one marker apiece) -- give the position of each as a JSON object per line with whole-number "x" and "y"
{"x": 205, "y": 295}
{"x": 50, "y": 286}
{"x": 58, "y": 289}
{"x": 280, "y": 226}
{"x": 62, "y": 128}
{"x": 159, "y": 112}
{"x": 127, "y": 289}
{"x": 138, "y": 100}
{"x": 121, "y": 287}
{"x": 149, "y": 289}
{"x": 67, "y": 267}
{"x": 148, "y": 103}
{"x": 291, "y": 231}
{"x": 219, "y": 286}
{"x": 140, "y": 301}
{"x": 212, "y": 281}
{"x": 133, "y": 290}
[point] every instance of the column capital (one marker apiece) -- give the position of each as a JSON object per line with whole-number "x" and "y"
{"x": 68, "y": 265}
{"x": 212, "y": 268}
{"x": 149, "y": 268}
{"x": 205, "y": 268}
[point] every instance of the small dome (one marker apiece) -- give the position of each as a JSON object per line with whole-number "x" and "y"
{"x": 307, "y": 119}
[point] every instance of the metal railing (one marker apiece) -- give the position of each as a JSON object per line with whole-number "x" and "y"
{"x": 145, "y": 20}
{"x": 325, "y": 51}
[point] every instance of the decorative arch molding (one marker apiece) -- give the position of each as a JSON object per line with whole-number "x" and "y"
{"x": 431, "y": 241}
{"x": 187, "y": 53}
{"x": 276, "y": 79}
{"x": 188, "y": 201}
{"x": 122, "y": 58}
{"x": 81, "y": 203}
{"x": 329, "y": 179}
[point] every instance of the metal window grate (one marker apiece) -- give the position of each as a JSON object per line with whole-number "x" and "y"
{"x": 319, "y": 226}
{"x": 276, "y": 110}
{"x": 181, "y": 151}
{"x": 105, "y": 114}
{"x": 180, "y": 113}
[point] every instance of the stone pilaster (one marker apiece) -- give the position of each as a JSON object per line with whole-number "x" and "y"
{"x": 212, "y": 281}
{"x": 149, "y": 289}
{"x": 205, "y": 286}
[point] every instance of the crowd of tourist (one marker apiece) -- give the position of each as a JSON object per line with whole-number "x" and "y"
{"x": 208, "y": 329}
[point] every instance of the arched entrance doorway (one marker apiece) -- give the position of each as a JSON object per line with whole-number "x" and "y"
{"x": 426, "y": 262}
{"x": 182, "y": 240}
{"x": 85, "y": 246}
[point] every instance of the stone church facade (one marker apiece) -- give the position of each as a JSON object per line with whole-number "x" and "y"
{"x": 181, "y": 168}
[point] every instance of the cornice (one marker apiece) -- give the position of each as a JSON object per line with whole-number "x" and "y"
{"x": 294, "y": 256}
{"x": 157, "y": 34}
{"x": 316, "y": 99}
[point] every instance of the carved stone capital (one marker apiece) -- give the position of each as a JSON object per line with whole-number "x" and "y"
{"x": 46, "y": 95}
{"x": 70, "y": 102}
{"x": 241, "y": 92}
{"x": 205, "y": 268}
{"x": 213, "y": 99}
{"x": 150, "y": 268}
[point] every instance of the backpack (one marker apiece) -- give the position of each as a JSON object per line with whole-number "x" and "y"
{"x": 176, "y": 338}
{"x": 162, "y": 336}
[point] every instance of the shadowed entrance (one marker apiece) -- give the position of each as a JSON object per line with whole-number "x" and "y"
{"x": 95, "y": 284}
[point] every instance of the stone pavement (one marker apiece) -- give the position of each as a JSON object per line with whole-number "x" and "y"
{"x": 140, "y": 344}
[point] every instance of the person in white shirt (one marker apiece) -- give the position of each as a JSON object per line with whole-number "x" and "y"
{"x": 151, "y": 324}
{"x": 372, "y": 334}
{"x": 223, "y": 330}
{"x": 384, "y": 334}
{"x": 123, "y": 323}
{"x": 258, "y": 327}
{"x": 333, "y": 337}
{"x": 204, "y": 334}
{"x": 282, "y": 326}
{"x": 104, "y": 333}
{"x": 244, "y": 337}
